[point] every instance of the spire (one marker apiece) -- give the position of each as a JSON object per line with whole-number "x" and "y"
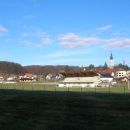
{"x": 111, "y": 57}
{"x": 111, "y": 62}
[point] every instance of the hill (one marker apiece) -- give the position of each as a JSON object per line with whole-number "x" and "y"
{"x": 37, "y": 69}
{"x": 11, "y": 68}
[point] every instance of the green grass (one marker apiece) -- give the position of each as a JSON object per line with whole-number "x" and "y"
{"x": 56, "y": 110}
{"x": 31, "y": 87}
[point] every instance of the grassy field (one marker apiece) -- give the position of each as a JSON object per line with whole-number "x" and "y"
{"x": 123, "y": 89}
{"x": 56, "y": 110}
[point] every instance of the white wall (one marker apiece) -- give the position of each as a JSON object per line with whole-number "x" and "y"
{"x": 120, "y": 74}
{"x": 77, "y": 84}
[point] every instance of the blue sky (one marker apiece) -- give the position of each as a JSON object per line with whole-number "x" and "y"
{"x": 64, "y": 32}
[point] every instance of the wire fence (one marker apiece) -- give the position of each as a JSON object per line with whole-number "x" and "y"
{"x": 119, "y": 88}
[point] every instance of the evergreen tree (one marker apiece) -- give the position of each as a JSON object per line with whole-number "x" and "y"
{"x": 105, "y": 66}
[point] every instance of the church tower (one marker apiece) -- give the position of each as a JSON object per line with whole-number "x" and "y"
{"x": 111, "y": 62}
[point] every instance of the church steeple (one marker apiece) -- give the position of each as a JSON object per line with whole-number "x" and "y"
{"x": 111, "y": 62}
{"x": 111, "y": 57}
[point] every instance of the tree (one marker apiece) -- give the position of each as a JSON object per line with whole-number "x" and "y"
{"x": 105, "y": 66}
{"x": 11, "y": 68}
{"x": 91, "y": 66}
{"x": 125, "y": 67}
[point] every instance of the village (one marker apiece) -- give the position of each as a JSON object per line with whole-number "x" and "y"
{"x": 85, "y": 78}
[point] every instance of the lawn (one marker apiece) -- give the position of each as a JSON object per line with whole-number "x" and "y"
{"x": 40, "y": 87}
{"x": 55, "y": 110}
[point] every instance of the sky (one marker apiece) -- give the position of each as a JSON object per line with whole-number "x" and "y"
{"x": 64, "y": 32}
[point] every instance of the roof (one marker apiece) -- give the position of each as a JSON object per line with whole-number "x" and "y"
{"x": 118, "y": 69}
{"x": 81, "y": 79}
{"x": 80, "y": 74}
{"x": 106, "y": 76}
{"x": 109, "y": 71}
{"x": 111, "y": 57}
{"x": 29, "y": 75}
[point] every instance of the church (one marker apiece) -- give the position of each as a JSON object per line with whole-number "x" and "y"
{"x": 111, "y": 62}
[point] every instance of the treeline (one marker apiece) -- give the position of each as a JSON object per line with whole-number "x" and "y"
{"x": 15, "y": 68}
{"x": 11, "y": 68}
{"x": 43, "y": 70}
{"x": 105, "y": 66}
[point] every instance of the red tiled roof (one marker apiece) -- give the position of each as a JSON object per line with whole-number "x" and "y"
{"x": 105, "y": 71}
{"x": 29, "y": 75}
{"x": 80, "y": 74}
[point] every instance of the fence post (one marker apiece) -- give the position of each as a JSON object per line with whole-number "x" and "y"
{"x": 81, "y": 88}
{"x": 128, "y": 83}
{"x": 109, "y": 88}
{"x": 43, "y": 87}
{"x": 95, "y": 89}
{"x": 68, "y": 88}
{"x": 124, "y": 89}
{"x": 55, "y": 89}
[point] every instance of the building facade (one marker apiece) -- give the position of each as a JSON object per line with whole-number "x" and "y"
{"x": 80, "y": 82}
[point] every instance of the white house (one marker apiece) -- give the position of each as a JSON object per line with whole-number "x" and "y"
{"x": 27, "y": 78}
{"x": 59, "y": 76}
{"x": 80, "y": 81}
{"x": 11, "y": 78}
{"x": 128, "y": 72}
{"x": 50, "y": 76}
{"x": 106, "y": 78}
{"x": 120, "y": 74}
{"x": 1, "y": 78}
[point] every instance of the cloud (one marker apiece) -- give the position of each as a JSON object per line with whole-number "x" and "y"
{"x": 36, "y": 39}
{"x": 105, "y": 28}
{"x": 41, "y": 33}
{"x": 34, "y": 2}
{"x": 117, "y": 43}
{"x": 38, "y": 44}
{"x": 43, "y": 42}
{"x": 72, "y": 40}
{"x": 6, "y": 56}
{"x": 3, "y": 29}
{"x": 27, "y": 42}
{"x": 66, "y": 53}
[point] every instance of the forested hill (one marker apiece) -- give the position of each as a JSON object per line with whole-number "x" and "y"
{"x": 37, "y": 69}
{"x": 11, "y": 68}
{"x": 15, "y": 68}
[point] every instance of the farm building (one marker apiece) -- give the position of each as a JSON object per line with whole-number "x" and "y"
{"x": 81, "y": 79}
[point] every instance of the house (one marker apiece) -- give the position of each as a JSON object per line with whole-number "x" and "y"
{"x": 106, "y": 80}
{"x": 49, "y": 76}
{"x": 27, "y": 78}
{"x": 80, "y": 81}
{"x": 120, "y": 74}
{"x": 59, "y": 76}
{"x": 106, "y": 77}
{"x": 11, "y": 79}
{"x": 107, "y": 71}
{"x": 1, "y": 78}
{"x": 54, "y": 76}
